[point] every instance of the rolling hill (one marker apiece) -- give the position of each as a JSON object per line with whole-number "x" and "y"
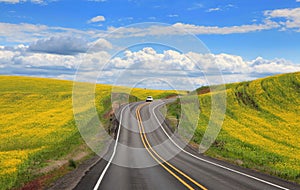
{"x": 261, "y": 129}
{"x": 37, "y": 127}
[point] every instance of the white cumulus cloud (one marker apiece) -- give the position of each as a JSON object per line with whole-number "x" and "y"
{"x": 100, "y": 45}
{"x": 148, "y": 58}
{"x": 65, "y": 45}
{"x": 168, "y": 65}
{"x": 99, "y": 18}
{"x": 173, "y": 15}
{"x": 10, "y": 1}
{"x": 291, "y": 16}
{"x": 148, "y": 62}
{"x": 214, "y": 9}
{"x": 28, "y": 33}
{"x": 170, "y": 60}
{"x": 17, "y": 61}
{"x": 20, "y": 1}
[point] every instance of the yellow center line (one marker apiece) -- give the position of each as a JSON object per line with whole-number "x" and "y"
{"x": 176, "y": 169}
{"x": 172, "y": 173}
{"x": 142, "y": 133}
{"x": 183, "y": 182}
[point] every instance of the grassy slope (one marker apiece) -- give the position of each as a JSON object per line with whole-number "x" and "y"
{"x": 37, "y": 123}
{"x": 262, "y": 125}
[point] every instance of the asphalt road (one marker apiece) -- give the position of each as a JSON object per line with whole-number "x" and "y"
{"x": 149, "y": 156}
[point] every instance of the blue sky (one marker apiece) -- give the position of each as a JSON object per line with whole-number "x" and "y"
{"x": 248, "y": 29}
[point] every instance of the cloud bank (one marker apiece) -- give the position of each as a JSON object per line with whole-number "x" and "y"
{"x": 147, "y": 62}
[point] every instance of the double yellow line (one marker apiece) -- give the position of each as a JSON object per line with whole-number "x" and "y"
{"x": 159, "y": 159}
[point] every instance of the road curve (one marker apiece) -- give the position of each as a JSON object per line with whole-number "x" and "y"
{"x": 149, "y": 156}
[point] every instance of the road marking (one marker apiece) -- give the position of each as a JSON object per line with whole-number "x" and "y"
{"x": 173, "y": 167}
{"x": 114, "y": 152}
{"x": 146, "y": 142}
{"x": 215, "y": 164}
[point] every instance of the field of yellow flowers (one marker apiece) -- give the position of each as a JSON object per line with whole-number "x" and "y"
{"x": 261, "y": 129}
{"x": 37, "y": 123}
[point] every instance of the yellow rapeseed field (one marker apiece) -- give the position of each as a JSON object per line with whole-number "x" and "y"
{"x": 37, "y": 123}
{"x": 262, "y": 125}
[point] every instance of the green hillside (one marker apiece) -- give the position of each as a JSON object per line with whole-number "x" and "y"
{"x": 37, "y": 127}
{"x": 261, "y": 129}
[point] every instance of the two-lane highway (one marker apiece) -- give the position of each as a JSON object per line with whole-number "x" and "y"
{"x": 148, "y": 156}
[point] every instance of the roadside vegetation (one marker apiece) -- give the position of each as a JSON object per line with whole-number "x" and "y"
{"x": 261, "y": 129}
{"x": 37, "y": 128}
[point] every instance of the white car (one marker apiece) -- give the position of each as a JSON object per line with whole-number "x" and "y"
{"x": 149, "y": 99}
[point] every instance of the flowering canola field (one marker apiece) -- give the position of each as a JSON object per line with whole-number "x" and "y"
{"x": 37, "y": 123}
{"x": 261, "y": 129}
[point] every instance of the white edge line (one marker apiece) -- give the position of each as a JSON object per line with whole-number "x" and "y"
{"x": 207, "y": 161}
{"x": 113, "y": 154}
